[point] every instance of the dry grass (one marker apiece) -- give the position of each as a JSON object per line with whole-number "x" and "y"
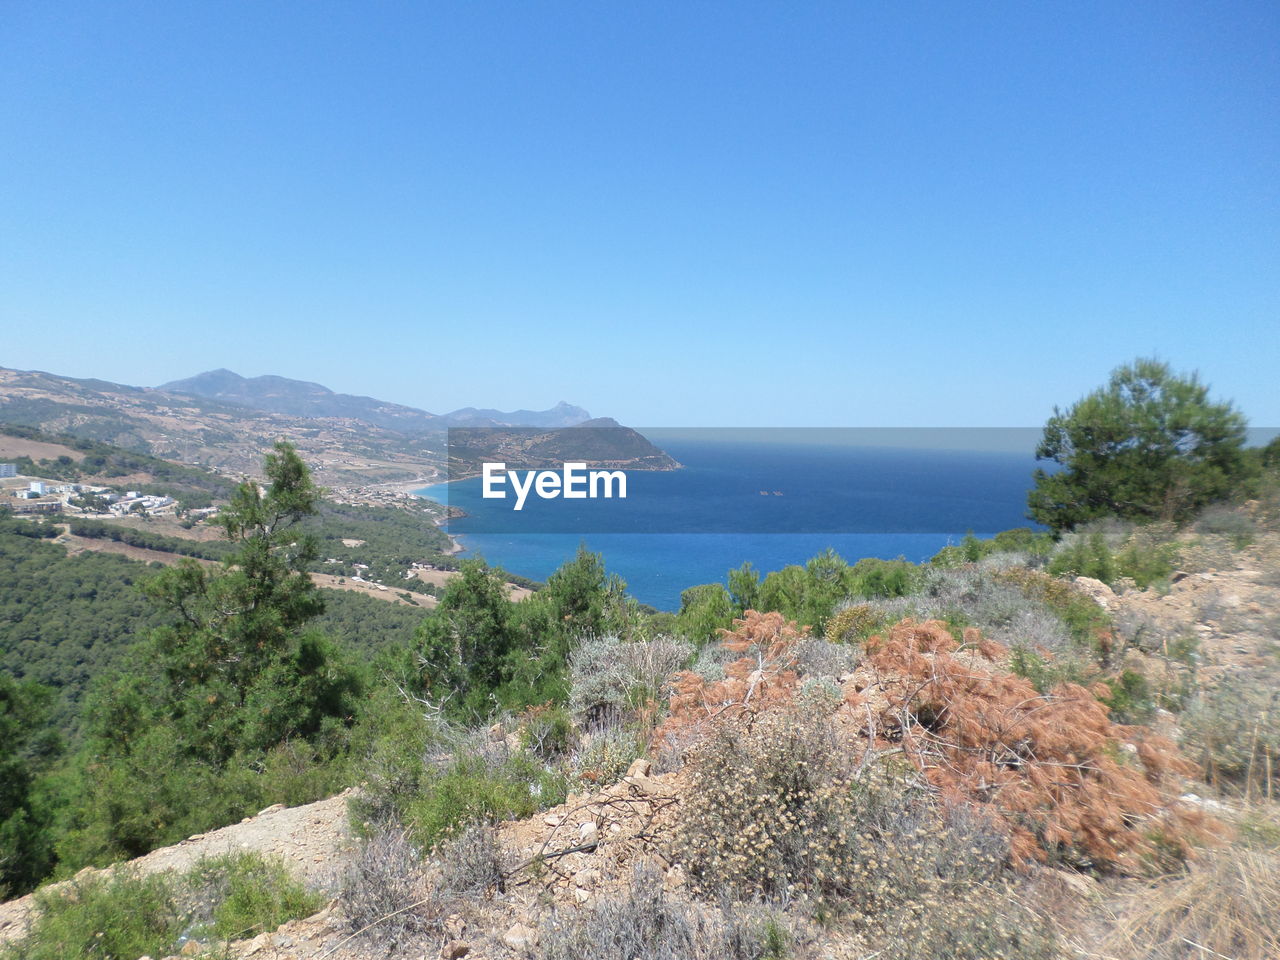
{"x": 1227, "y": 904}
{"x": 644, "y": 922}
{"x": 385, "y": 890}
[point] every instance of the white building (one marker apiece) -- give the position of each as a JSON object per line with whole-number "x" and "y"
{"x": 8, "y": 470}
{"x": 37, "y": 487}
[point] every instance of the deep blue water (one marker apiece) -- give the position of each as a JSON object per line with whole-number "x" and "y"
{"x": 693, "y": 525}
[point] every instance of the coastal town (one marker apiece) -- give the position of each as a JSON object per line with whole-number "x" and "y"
{"x": 23, "y": 494}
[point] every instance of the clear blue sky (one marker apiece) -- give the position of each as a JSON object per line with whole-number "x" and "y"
{"x": 684, "y": 214}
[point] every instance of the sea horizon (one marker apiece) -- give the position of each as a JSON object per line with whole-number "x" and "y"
{"x": 772, "y": 505}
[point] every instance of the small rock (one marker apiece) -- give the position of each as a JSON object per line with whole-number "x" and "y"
{"x": 639, "y": 768}
{"x": 192, "y": 948}
{"x": 582, "y": 896}
{"x": 520, "y": 937}
{"x": 588, "y": 833}
{"x": 271, "y": 809}
{"x": 454, "y": 949}
{"x": 646, "y": 785}
{"x": 1097, "y": 591}
{"x": 587, "y": 878}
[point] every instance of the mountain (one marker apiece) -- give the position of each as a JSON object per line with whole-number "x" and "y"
{"x": 226, "y": 422}
{"x": 229, "y": 438}
{"x": 561, "y": 415}
{"x": 300, "y": 398}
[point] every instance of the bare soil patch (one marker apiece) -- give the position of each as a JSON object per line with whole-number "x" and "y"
{"x": 12, "y": 447}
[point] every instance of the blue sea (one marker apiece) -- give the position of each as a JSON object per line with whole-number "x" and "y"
{"x": 771, "y": 499}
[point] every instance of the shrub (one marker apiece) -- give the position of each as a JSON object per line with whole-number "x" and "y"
{"x": 772, "y": 811}
{"x": 780, "y": 811}
{"x": 764, "y": 674}
{"x": 644, "y": 923}
{"x": 1022, "y": 545}
{"x": 471, "y": 862}
{"x": 434, "y": 778}
{"x": 872, "y": 577}
{"x": 853, "y": 622}
{"x": 1051, "y": 766}
{"x": 385, "y": 886}
{"x": 1087, "y": 623}
{"x": 610, "y": 677}
{"x": 119, "y": 916}
{"x": 479, "y": 787}
{"x": 1048, "y": 766}
{"x": 1130, "y": 699}
{"x": 1084, "y": 556}
{"x": 605, "y": 754}
{"x": 987, "y": 923}
{"x": 1146, "y": 556}
{"x": 546, "y": 731}
{"x": 250, "y": 894}
{"x": 1229, "y": 522}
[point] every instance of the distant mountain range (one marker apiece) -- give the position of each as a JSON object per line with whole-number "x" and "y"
{"x": 300, "y": 398}
{"x": 226, "y": 422}
{"x": 561, "y": 415}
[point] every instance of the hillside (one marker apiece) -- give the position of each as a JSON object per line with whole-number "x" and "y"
{"x": 616, "y": 864}
{"x": 227, "y": 438}
{"x": 226, "y": 422}
{"x": 71, "y": 611}
{"x": 299, "y": 398}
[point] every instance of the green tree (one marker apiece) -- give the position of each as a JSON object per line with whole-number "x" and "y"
{"x": 463, "y": 646}
{"x": 705, "y": 610}
{"x": 1149, "y": 445}
{"x": 188, "y": 735}
{"x": 238, "y": 627}
{"x": 27, "y": 746}
{"x": 744, "y": 588}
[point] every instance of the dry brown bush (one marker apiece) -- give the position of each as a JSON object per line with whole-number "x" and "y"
{"x": 1050, "y": 767}
{"x": 764, "y": 675}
